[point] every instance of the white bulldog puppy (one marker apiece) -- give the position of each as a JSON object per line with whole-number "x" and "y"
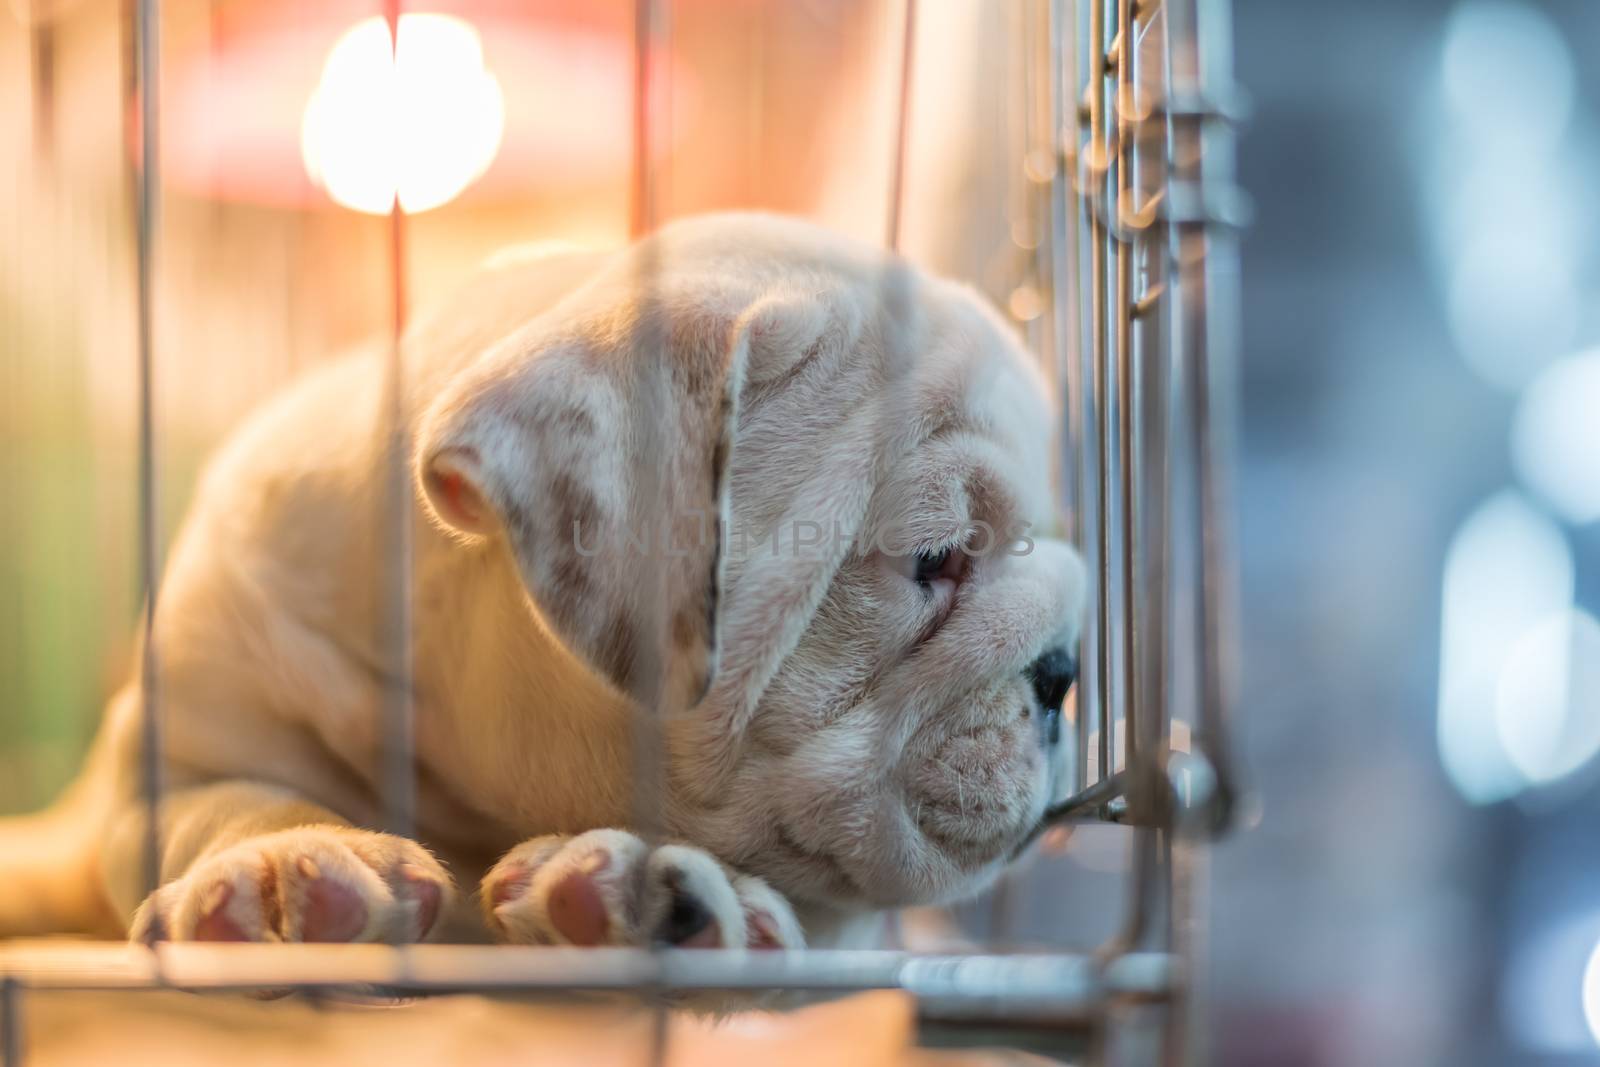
{"x": 779, "y": 497}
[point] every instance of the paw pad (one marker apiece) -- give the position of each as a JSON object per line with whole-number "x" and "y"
{"x": 214, "y": 923}
{"x": 607, "y": 887}
{"x": 314, "y": 884}
{"x": 330, "y": 911}
{"x": 576, "y": 910}
{"x": 425, "y": 893}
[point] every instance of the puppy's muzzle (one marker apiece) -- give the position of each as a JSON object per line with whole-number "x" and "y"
{"x": 1051, "y": 676}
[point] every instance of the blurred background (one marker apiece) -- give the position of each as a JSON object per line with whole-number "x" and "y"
{"x": 1420, "y": 484}
{"x": 1419, "y": 879}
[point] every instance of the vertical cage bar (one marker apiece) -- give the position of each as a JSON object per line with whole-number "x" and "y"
{"x": 1151, "y": 441}
{"x": 1154, "y": 439}
{"x": 10, "y": 1022}
{"x": 42, "y": 38}
{"x": 1014, "y": 113}
{"x": 646, "y": 683}
{"x": 1205, "y": 272}
{"x": 1202, "y": 250}
{"x": 1064, "y": 275}
{"x": 1038, "y": 168}
{"x": 1098, "y": 166}
{"x": 1184, "y": 1040}
{"x": 1216, "y": 416}
{"x": 1065, "y": 307}
{"x": 1128, "y": 511}
{"x": 1087, "y": 524}
{"x": 893, "y": 280}
{"x": 1184, "y": 863}
{"x": 902, "y": 127}
{"x": 147, "y": 185}
{"x": 394, "y": 618}
{"x": 1141, "y": 723}
{"x": 642, "y": 192}
{"x": 1144, "y": 876}
{"x": 1018, "y": 106}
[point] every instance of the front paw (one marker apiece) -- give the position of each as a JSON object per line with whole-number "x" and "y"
{"x": 607, "y": 887}
{"x": 324, "y": 883}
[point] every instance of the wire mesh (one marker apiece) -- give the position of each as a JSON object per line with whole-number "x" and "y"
{"x": 398, "y": 754}
{"x": 1126, "y": 225}
{"x": 650, "y": 34}
{"x": 146, "y": 170}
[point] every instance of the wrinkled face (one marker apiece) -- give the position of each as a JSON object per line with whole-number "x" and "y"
{"x": 907, "y": 743}
{"x": 861, "y": 673}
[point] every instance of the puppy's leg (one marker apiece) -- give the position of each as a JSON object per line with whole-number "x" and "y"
{"x": 607, "y": 887}
{"x": 247, "y": 862}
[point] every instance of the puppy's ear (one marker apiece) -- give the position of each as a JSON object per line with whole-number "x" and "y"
{"x": 596, "y": 443}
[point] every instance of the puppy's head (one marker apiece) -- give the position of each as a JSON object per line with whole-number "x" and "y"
{"x": 795, "y": 496}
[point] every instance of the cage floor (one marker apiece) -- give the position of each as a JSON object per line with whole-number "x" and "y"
{"x": 171, "y": 1029}
{"x": 95, "y": 1003}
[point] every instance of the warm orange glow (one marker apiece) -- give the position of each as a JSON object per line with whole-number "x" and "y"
{"x": 421, "y": 119}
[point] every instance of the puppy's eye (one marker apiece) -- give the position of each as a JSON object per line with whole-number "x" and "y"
{"x": 947, "y": 564}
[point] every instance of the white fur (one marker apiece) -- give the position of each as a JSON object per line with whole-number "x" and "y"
{"x": 517, "y": 892}
{"x": 831, "y": 733}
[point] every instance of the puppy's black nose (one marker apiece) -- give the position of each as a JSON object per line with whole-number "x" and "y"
{"x": 1051, "y": 675}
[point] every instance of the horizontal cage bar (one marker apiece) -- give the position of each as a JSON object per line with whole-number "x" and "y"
{"x": 1040, "y": 985}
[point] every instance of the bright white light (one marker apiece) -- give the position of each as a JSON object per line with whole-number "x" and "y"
{"x": 1513, "y": 306}
{"x": 1547, "y": 701}
{"x": 1549, "y": 987}
{"x": 1502, "y": 197}
{"x": 1591, "y": 994}
{"x": 421, "y": 119}
{"x": 1508, "y": 569}
{"x": 1507, "y": 74}
{"x": 1510, "y": 200}
{"x": 1555, "y": 439}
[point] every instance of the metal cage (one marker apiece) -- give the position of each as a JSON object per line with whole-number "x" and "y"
{"x": 1128, "y": 214}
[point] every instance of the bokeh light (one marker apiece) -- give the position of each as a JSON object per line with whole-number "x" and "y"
{"x": 1549, "y": 986}
{"x": 1507, "y": 205}
{"x": 1513, "y": 306}
{"x": 1547, "y": 698}
{"x": 1591, "y": 994}
{"x": 420, "y": 119}
{"x": 1555, "y": 439}
{"x": 1501, "y": 198}
{"x": 1508, "y": 74}
{"x": 1509, "y": 569}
